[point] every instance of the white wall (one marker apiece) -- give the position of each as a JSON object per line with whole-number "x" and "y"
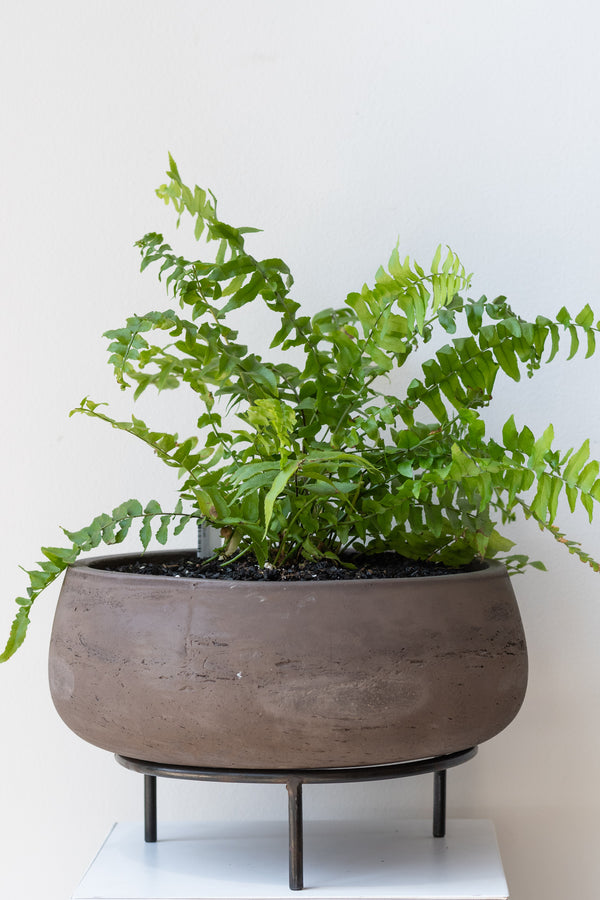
{"x": 337, "y": 127}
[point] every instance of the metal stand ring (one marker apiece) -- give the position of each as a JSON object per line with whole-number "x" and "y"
{"x": 294, "y": 779}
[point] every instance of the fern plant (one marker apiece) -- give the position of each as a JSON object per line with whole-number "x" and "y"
{"x": 322, "y": 457}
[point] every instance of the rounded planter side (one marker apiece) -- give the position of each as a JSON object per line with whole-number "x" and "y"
{"x": 286, "y": 675}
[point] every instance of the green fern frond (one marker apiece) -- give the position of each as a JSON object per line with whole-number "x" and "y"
{"x": 108, "y": 528}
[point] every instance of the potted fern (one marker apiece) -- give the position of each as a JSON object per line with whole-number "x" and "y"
{"x": 302, "y": 642}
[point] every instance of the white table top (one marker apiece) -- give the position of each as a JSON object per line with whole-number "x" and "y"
{"x": 247, "y": 861}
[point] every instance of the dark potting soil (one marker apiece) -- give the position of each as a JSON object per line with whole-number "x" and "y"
{"x": 380, "y": 565}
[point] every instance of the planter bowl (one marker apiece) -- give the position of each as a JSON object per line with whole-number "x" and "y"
{"x": 285, "y": 674}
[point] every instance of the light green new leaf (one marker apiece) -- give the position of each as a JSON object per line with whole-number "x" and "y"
{"x": 510, "y": 435}
{"x": 586, "y": 317}
{"x": 17, "y": 633}
{"x": 591, "y": 344}
{"x": 588, "y": 476}
{"x": 277, "y": 487}
{"x": 540, "y": 448}
{"x": 576, "y": 463}
{"x": 574, "y": 342}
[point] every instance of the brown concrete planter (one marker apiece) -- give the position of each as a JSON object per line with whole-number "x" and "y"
{"x": 286, "y": 675}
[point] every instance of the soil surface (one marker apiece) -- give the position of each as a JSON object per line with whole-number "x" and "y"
{"x": 380, "y": 565}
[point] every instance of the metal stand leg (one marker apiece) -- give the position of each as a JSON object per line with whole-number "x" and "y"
{"x": 150, "y": 809}
{"x": 294, "y": 779}
{"x": 296, "y": 849}
{"x": 439, "y": 803}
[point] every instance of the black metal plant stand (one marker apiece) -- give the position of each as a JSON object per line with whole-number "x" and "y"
{"x": 294, "y": 779}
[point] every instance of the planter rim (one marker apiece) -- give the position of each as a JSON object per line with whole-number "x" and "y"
{"x": 491, "y": 569}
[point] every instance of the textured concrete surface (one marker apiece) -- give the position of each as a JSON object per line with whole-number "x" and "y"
{"x": 276, "y": 675}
